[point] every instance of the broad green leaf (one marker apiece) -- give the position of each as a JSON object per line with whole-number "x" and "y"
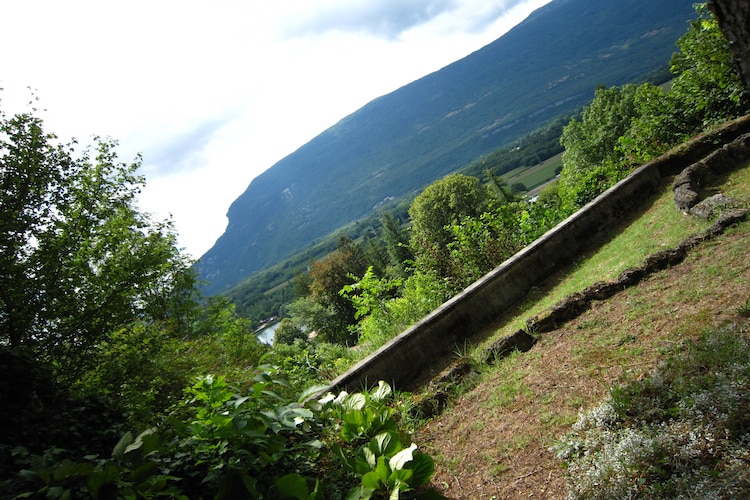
{"x": 423, "y": 467}
{"x": 311, "y": 391}
{"x": 382, "y": 392}
{"x": 121, "y": 447}
{"x": 371, "y": 481}
{"x": 380, "y": 443}
{"x": 68, "y": 469}
{"x": 401, "y": 458}
{"x": 314, "y": 443}
{"x": 369, "y": 457}
{"x": 239, "y": 423}
{"x": 273, "y": 395}
{"x": 98, "y": 478}
{"x": 36, "y": 475}
{"x": 147, "y": 441}
{"x": 385, "y": 444}
{"x": 142, "y": 473}
{"x": 237, "y": 402}
{"x": 250, "y": 485}
{"x": 382, "y": 470}
{"x": 355, "y": 401}
{"x": 401, "y": 479}
{"x": 299, "y": 415}
{"x": 360, "y": 493}
{"x": 292, "y": 486}
{"x": 58, "y": 492}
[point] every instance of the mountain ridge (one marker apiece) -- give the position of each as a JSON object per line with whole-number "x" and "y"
{"x": 400, "y": 142}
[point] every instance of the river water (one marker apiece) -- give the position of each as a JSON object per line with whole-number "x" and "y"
{"x": 266, "y": 335}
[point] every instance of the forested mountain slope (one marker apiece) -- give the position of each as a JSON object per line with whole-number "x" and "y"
{"x": 544, "y": 68}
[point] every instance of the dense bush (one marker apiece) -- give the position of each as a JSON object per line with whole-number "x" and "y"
{"x": 223, "y": 444}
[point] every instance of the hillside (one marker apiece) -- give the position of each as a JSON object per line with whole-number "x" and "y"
{"x": 495, "y": 440}
{"x": 544, "y": 68}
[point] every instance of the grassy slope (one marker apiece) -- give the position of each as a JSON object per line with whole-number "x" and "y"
{"x": 495, "y": 439}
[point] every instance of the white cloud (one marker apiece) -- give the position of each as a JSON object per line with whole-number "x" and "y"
{"x": 215, "y": 93}
{"x": 386, "y": 18}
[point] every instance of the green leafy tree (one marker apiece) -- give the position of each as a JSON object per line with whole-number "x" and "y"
{"x": 708, "y": 87}
{"x": 590, "y": 143}
{"x": 441, "y": 204}
{"x": 329, "y": 276}
{"x": 220, "y": 323}
{"x": 655, "y": 128}
{"x": 626, "y": 126}
{"x": 397, "y": 243}
{"x": 706, "y": 90}
{"x": 734, "y": 21}
{"x": 483, "y": 242}
{"x": 369, "y": 293}
{"x": 308, "y": 312}
{"x": 139, "y": 370}
{"x": 287, "y": 332}
{"x": 499, "y": 188}
{"x": 77, "y": 259}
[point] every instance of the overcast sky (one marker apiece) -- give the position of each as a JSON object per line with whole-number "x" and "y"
{"x": 214, "y": 93}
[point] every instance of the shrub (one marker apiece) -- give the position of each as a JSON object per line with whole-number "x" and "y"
{"x": 257, "y": 445}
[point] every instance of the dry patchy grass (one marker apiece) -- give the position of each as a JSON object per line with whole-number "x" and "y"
{"x": 495, "y": 440}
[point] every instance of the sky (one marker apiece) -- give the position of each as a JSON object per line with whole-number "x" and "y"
{"x": 212, "y": 94}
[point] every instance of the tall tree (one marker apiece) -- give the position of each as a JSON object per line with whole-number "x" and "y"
{"x": 329, "y": 276}
{"x": 708, "y": 87}
{"x": 443, "y": 203}
{"x": 734, "y": 21}
{"x": 77, "y": 258}
{"x": 396, "y": 241}
{"x": 591, "y": 141}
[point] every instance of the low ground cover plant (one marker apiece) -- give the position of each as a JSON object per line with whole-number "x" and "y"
{"x": 222, "y": 444}
{"x": 682, "y": 432}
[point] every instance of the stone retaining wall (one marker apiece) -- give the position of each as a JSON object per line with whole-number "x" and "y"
{"x": 407, "y": 356}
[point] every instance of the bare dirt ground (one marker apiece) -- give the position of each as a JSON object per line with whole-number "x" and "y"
{"x": 496, "y": 440}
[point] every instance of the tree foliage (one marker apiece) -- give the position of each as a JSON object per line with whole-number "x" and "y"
{"x": 77, "y": 259}
{"x": 590, "y": 143}
{"x": 442, "y": 203}
{"x": 625, "y": 126}
{"x": 287, "y": 332}
{"x": 708, "y": 87}
{"x": 330, "y": 314}
{"x": 396, "y": 241}
{"x": 733, "y": 17}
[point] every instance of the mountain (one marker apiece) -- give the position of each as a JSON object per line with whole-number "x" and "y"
{"x": 544, "y": 68}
